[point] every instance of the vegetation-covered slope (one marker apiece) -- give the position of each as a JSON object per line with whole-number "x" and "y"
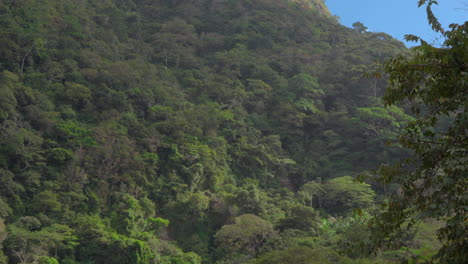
{"x": 133, "y": 131}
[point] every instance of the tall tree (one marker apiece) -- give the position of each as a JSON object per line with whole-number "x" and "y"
{"x": 434, "y": 181}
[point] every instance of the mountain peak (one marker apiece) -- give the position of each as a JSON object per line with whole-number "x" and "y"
{"x": 318, "y": 5}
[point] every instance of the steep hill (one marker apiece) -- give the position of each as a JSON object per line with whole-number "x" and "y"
{"x": 133, "y": 131}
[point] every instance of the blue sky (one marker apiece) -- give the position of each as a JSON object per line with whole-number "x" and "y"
{"x": 398, "y": 17}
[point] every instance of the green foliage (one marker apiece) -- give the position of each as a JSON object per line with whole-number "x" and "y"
{"x": 27, "y": 244}
{"x": 307, "y": 192}
{"x": 3, "y": 235}
{"x": 75, "y": 94}
{"x": 8, "y": 100}
{"x": 302, "y": 218}
{"x": 76, "y": 134}
{"x": 104, "y": 245}
{"x": 246, "y": 235}
{"x": 379, "y": 119}
{"x": 355, "y": 240}
{"x": 359, "y": 27}
{"x": 137, "y": 131}
{"x": 136, "y": 219}
{"x": 47, "y": 260}
{"x": 3, "y": 258}
{"x": 5, "y": 209}
{"x": 47, "y": 202}
{"x": 304, "y": 85}
{"x": 344, "y": 194}
{"x": 301, "y": 255}
{"x": 433, "y": 181}
{"x": 159, "y": 222}
{"x": 59, "y": 155}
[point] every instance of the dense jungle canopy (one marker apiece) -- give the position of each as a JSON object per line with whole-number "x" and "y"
{"x": 202, "y": 131}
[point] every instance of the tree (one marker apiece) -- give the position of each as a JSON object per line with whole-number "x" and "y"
{"x": 303, "y": 218}
{"x": 344, "y": 194}
{"x": 7, "y": 96}
{"x": 3, "y": 235}
{"x": 247, "y": 235}
{"x": 433, "y": 181}
{"x": 28, "y": 245}
{"x": 359, "y": 27}
{"x": 307, "y": 192}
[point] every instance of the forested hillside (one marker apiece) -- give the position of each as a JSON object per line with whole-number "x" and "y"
{"x": 203, "y": 131}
